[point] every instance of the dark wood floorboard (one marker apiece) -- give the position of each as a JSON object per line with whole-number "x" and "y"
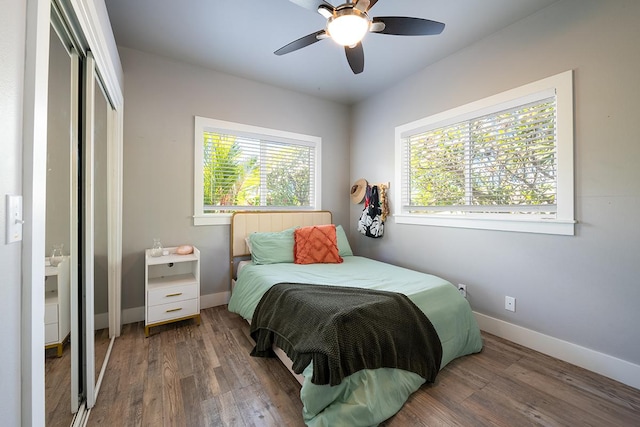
{"x": 58, "y": 380}
{"x": 188, "y": 375}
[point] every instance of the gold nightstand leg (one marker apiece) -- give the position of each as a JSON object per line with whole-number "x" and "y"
{"x": 195, "y": 317}
{"x": 59, "y": 349}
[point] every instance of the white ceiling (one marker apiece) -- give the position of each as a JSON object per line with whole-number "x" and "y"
{"x": 239, "y": 37}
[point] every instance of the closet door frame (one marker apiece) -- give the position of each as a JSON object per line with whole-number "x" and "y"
{"x": 34, "y": 187}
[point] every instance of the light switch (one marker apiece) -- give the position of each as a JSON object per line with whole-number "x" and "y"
{"x": 14, "y": 218}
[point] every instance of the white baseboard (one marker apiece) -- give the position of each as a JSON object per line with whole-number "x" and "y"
{"x": 132, "y": 315}
{"x": 214, "y": 300}
{"x": 136, "y": 314}
{"x": 100, "y": 321}
{"x": 600, "y": 363}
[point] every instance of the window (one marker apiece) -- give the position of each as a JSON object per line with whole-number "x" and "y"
{"x": 240, "y": 167}
{"x": 502, "y": 163}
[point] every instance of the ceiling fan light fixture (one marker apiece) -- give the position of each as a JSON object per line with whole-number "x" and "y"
{"x": 348, "y": 23}
{"x": 348, "y": 29}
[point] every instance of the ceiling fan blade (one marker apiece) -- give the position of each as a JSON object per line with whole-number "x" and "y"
{"x": 372, "y": 3}
{"x": 355, "y": 57}
{"x": 405, "y": 26}
{"x": 301, "y": 42}
{"x": 312, "y": 4}
{"x": 362, "y": 5}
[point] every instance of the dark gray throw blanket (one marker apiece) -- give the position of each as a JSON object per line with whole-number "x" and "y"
{"x": 343, "y": 330}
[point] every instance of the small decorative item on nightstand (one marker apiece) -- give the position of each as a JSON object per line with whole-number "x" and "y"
{"x": 56, "y": 255}
{"x": 184, "y": 249}
{"x": 172, "y": 287}
{"x": 156, "y": 250}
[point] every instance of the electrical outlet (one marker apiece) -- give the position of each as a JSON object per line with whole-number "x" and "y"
{"x": 462, "y": 289}
{"x": 510, "y": 304}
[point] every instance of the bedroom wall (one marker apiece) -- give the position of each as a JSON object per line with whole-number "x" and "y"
{"x": 582, "y": 289}
{"x": 162, "y": 98}
{"x": 12, "y": 52}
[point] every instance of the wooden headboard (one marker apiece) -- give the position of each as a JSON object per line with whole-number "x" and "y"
{"x": 245, "y": 223}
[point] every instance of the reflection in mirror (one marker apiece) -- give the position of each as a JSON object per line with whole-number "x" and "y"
{"x": 59, "y": 343}
{"x": 101, "y": 248}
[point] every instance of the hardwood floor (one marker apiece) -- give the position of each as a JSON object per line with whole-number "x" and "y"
{"x": 57, "y": 376}
{"x": 188, "y": 375}
{"x": 58, "y": 379}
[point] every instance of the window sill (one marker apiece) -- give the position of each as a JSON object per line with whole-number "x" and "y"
{"x": 212, "y": 219}
{"x": 225, "y": 218}
{"x": 541, "y": 226}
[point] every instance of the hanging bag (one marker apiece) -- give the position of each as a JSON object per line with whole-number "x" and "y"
{"x": 370, "y": 223}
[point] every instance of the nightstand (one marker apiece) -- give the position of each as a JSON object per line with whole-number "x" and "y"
{"x": 57, "y": 310}
{"x": 172, "y": 288}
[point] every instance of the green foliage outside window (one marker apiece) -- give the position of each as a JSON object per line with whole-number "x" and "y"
{"x": 251, "y": 173}
{"x": 288, "y": 179}
{"x": 499, "y": 161}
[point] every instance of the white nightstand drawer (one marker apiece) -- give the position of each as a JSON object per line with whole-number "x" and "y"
{"x": 51, "y": 333}
{"x": 173, "y": 310}
{"x": 50, "y": 313}
{"x": 168, "y": 294}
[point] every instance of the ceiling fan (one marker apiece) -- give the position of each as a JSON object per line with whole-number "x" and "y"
{"x": 348, "y": 23}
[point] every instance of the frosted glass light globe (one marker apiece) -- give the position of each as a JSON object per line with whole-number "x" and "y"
{"x": 348, "y": 30}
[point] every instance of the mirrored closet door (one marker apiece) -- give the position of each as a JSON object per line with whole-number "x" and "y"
{"x": 62, "y": 373}
{"x": 98, "y": 211}
{"x": 83, "y": 216}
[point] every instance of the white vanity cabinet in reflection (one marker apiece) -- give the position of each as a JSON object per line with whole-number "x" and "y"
{"x": 57, "y": 310}
{"x": 172, "y": 288}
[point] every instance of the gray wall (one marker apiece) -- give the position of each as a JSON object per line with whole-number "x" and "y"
{"x": 12, "y": 46}
{"x": 162, "y": 98}
{"x": 583, "y": 289}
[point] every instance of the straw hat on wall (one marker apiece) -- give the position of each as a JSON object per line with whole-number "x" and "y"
{"x": 358, "y": 190}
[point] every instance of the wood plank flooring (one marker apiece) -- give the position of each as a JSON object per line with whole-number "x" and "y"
{"x": 58, "y": 379}
{"x": 188, "y": 375}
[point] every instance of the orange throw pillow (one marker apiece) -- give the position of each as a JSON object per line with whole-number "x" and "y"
{"x": 316, "y": 244}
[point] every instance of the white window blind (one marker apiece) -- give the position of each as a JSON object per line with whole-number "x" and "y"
{"x": 241, "y": 172}
{"x": 241, "y": 167}
{"x": 501, "y": 163}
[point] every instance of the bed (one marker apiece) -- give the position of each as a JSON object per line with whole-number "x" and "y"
{"x": 369, "y": 396}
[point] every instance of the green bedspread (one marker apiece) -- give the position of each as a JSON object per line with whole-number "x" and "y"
{"x": 342, "y": 330}
{"x": 370, "y": 396}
